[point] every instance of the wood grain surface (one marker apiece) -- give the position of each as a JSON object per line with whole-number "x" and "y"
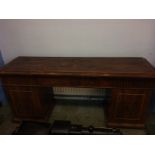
{"x": 68, "y": 66}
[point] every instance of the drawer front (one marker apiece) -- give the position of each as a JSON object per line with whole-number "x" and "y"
{"x": 58, "y": 81}
{"x": 75, "y": 82}
{"x": 19, "y": 81}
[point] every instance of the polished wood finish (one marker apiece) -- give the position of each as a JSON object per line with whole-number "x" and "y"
{"x": 91, "y": 67}
{"x": 28, "y": 82}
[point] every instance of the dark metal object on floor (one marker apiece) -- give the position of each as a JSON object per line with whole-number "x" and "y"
{"x": 32, "y": 128}
{"x": 61, "y": 127}
{"x": 65, "y": 127}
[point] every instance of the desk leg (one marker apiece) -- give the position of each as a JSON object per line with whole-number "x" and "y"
{"x": 128, "y": 108}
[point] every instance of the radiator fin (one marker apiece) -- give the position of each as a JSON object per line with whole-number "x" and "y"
{"x": 79, "y": 91}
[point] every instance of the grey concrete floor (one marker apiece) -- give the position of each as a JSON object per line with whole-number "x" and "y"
{"x": 85, "y": 113}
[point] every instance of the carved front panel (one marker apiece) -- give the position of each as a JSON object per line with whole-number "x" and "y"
{"x": 128, "y": 107}
{"x": 22, "y": 103}
{"x": 30, "y": 102}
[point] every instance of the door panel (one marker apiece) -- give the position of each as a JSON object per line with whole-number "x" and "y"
{"x": 128, "y": 107}
{"x": 30, "y": 102}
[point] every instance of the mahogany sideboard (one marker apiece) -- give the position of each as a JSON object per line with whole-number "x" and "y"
{"x": 28, "y": 83}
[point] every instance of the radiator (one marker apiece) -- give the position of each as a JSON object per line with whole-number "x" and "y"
{"x": 79, "y": 93}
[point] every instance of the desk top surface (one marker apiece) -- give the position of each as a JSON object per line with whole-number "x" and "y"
{"x": 79, "y": 66}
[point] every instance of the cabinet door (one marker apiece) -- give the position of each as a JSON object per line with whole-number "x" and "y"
{"x": 128, "y": 107}
{"x": 23, "y": 103}
{"x": 29, "y": 102}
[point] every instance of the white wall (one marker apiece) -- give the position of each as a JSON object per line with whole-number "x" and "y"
{"x": 134, "y": 38}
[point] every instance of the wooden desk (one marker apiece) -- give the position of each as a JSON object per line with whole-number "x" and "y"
{"x": 28, "y": 82}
